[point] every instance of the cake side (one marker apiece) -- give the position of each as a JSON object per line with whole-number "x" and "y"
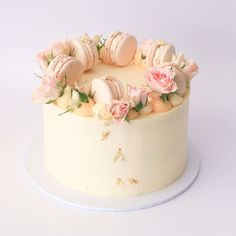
{"x": 116, "y": 160}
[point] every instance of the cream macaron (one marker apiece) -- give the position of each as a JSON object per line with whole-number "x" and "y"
{"x": 159, "y": 52}
{"x": 120, "y": 49}
{"x": 107, "y": 89}
{"x": 66, "y": 67}
{"x": 86, "y": 51}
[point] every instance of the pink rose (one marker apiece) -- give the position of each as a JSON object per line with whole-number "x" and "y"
{"x": 48, "y": 90}
{"x": 137, "y": 95}
{"x": 146, "y": 44}
{"x": 119, "y": 110}
{"x": 161, "y": 79}
{"x": 191, "y": 69}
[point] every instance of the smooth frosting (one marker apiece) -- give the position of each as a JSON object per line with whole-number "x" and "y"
{"x": 84, "y": 154}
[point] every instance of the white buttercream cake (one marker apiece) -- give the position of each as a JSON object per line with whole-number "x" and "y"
{"x": 115, "y": 113}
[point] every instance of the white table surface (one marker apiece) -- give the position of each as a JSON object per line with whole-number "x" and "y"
{"x": 204, "y": 30}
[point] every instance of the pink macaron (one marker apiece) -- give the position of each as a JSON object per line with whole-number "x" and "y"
{"x": 66, "y": 67}
{"x": 159, "y": 52}
{"x": 106, "y": 89}
{"x": 120, "y": 49}
{"x": 86, "y": 51}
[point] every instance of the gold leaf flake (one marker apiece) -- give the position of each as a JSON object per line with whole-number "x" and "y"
{"x": 105, "y": 134}
{"x": 119, "y": 155}
{"x": 133, "y": 181}
{"x": 119, "y": 181}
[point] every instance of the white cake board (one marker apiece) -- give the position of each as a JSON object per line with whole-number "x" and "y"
{"x": 42, "y": 179}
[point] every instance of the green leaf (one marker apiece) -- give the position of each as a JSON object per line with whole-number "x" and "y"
{"x": 69, "y": 109}
{"x": 83, "y": 97}
{"x": 127, "y": 119}
{"x": 101, "y": 44}
{"x": 164, "y": 97}
{"x": 92, "y": 95}
{"x": 61, "y": 92}
{"x": 62, "y": 85}
{"x": 38, "y": 76}
{"x": 138, "y": 107}
{"x": 51, "y": 101}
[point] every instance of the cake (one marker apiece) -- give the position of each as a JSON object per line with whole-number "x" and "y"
{"x": 115, "y": 113}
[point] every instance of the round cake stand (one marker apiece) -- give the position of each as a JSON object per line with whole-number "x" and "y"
{"x": 46, "y": 183}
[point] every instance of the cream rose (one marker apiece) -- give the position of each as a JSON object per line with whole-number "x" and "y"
{"x": 101, "y": 112}
{"x": 161, "y": 80}
{"x": 137, "y": 95}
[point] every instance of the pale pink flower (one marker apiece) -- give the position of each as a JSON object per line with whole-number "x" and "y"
{"x": 47, "y": 91}
{"x": 44, "y": 58}
{"x": 119, "y": 109}
{"x": 59, "y": 48}
{"x": 179, "y": 60}
{"x": 191, "y": 69}
{"x": 146, "y": 44}
{"x": 161, "y": 80}
{"x": 137, "y": 95}
{"x": 56, "y": 49}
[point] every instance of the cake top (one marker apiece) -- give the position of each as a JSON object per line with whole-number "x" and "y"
{"x": 113, "y": 79}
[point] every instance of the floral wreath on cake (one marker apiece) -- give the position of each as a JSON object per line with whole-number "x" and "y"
{"x": 167, "y": 77}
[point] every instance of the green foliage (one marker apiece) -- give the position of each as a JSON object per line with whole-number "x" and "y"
{"x": 138, "y": 107}
{"x": 101, "y": 44}
{"x": 69, "y": 109}
{"x": 164, "y": 97}
{"x": 83, "y": 97}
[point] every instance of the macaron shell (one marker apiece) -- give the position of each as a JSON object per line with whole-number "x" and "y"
{"x": 150, "y": 55}
{"x": 107, "y": 57}
{"x": 120, "y": 88}
{"x": 158, "y": 56}
{"x": 116, "y": 86}
{"x": 60, "y": 64}
{"x": 81, "y": 53}
{"x": 94, "y": 53}
{"x": 168, "y": 51}
{"x": 125, "y": 50}
{"x": 89, "y": 55}
{"x": 114, "y": 45}
{"x": 101, "y": 91}
{"x": 111, "y": 84}
{"x": 86, "y": 52}
{"x": 53, "y": 64}
{"x": 72, "y": 70}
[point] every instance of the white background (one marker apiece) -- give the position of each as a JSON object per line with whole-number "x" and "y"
{"x": 204, "y": 30}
